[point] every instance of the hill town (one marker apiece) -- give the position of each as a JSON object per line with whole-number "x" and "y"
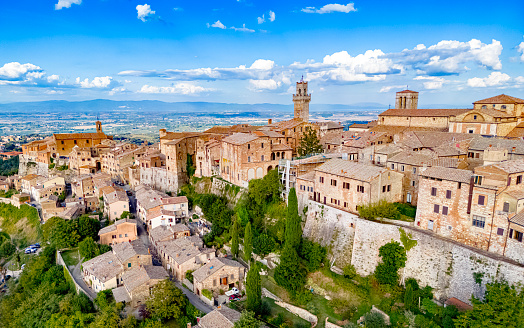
{"x": 414, "y": 219}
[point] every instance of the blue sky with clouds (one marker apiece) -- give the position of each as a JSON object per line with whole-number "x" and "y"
{"x": 453, "y": 52}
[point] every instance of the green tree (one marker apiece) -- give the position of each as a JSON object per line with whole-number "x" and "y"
{"x": 248, "y": 242}
{"x": 293, "y": 221}
{"x": 190, "y": 166}
{"x": 502, "y": 306}
{"x": 313, "y": 253}
{"x": 263, "y": 244}
{"x": 88, "y": 249}
{"x": 289, "y": 273}
{"x": 125, "y": 214}
{"x": 409, "y": 297}
{"x": 393, "y": 258}
{"x": 235, "y": 238}
{"x": 374, "y": 320}
{"x": 350, "y": 271}
{"x": 104, "y": 248}
{"x": 253, "y": 288}
{"x": 309, "y": 143}
{"x": 166, "y": 301}
{"x": 7, "y": 249}
{"x": 247, "y": 320}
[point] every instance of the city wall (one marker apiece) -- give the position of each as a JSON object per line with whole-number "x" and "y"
{"x": 452, "y": 269}
{"x": 28, "y": 166}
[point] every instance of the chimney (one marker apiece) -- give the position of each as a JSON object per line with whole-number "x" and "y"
{"x": 269, "y": 121}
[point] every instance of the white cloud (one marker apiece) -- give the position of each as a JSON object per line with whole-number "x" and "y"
{"x": 54, "y": 92}
{"x": 179, "y": 88}
{"x": 331, "y": 8}
{"x": 271, "y": 16}
{"x": 432, "y": 82}
{"x": 144, "y": 12}
{"x": 15, "y": 70}
{"x": 217, "y": 24}
{"x": 66, "y": 3}
{"x": 519, "y": 79}
{"x": 261, "y": 20}
{"x": 242, "y": 29}
{"x": 118, "y": 90}
{"x": 101, "y": 82}
{"x": 260, "y": 85}
{"x": 520, "y": 48}
{"x": 494, "y": 79}
{"x": 391, "y": 87}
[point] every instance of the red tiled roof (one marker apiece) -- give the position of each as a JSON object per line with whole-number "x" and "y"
{"x": 407, "y": 91}
{"x": 500, "y": 99}
{"x": 61, "y": 136}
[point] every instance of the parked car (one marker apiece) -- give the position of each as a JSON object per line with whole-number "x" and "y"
{"x": 30, "y": 250}
{"x": 37, "y": 245}
{"x": 235, "y": 297}
{"x": 233, "y": 291}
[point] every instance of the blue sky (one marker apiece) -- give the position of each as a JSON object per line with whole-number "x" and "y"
{"x": 453, "y": 52}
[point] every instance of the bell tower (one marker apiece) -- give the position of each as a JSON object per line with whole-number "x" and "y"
{"x": 406, "y": 99}
{"x": 98, "y": 127}
{"x": 301, "y": 100}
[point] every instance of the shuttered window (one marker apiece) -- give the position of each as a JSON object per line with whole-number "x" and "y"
{"x": 481, "y": 200}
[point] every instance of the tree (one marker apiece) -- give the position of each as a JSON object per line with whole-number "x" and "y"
{"x": 234, "y": 238}
{"x": 409, "y": 297}
{"x": 190, "y": 166}
{"x": 263, "y": 244}
{"x": 166, "y": 301}
{"x": 7, "y": 249}
{"x": 293, "y": 221}
{"x": 349, "y": 271}
{"x": 309, "y": 143}
{"x": 393, "y": 258}
{"x": 313, "y": 253}
{"x": 374, "y": 320}
{"x": 502, "y": 306}
{"x": 253, "y": 289}
{"x": 125, "y": 214}
{"x": 248, "y": 242}
{"x": 247, "y": 320}
{"x": 88, "y": 249}
{"x": 289, "y": 273}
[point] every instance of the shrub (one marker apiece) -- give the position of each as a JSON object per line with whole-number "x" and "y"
{"x": 349, "y": 271}
{"x": 380, "y": 209}
{"x": 207, "y": 293}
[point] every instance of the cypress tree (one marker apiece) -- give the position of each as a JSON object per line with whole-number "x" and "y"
{"x": 234, "y": 239}
{"x": 253, "y": 289}
{"x": 409, "y": 297}
{"x": 248, "y": 242}
{"x": 293, "y": 221}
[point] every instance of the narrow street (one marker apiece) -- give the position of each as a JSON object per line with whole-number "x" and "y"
{"x": 194, "y": 299}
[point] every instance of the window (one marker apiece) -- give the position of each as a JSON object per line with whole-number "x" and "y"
{"x": 333, "y": 182}
{"x": 248, "y": 146}
{"x": 500, "y": 231}
{"x": 477, "y": 179}
{"x": 509, "y": 181}
{"x": 519, "y": 179}
{"x": 413, "y": 183}
{"x": 129, "y": 265}
{"x": 436, "y": 208}
{"x": 433, "y": 191}
{"x": 481, "y": 199}
{"x": 113, "y": 236}
{"x": 262, "y": 158}
{"x": 471, "y": 155}
{"x": 448, "y": 194}
{"x": 389, "y": 188}
{"x": 470, "y": 131}
{"x": 249, "y": 159}
{"x": 62, "y": 144}
{"x": 444, "y": 210}
{"x": 478, "y": 221}
{"x": 321, "y": 179}
{"x": 503, "y": 107}
{"x": 345, "y": 204}
{"x": 505, "y": 208}
{"x": 459, "y": 185}
{"x": 120, "y": 236}
{"x": 402, "y": 168}
{"x": 383, "y": 188}
{"x": 262, "y": 145}
{"x": 484, "y": 106}
{"x": 345, "y": 185}
{"x": 392, "y": 166}
{"x": 360, "y": 189}
{"x": 414, "y": 170}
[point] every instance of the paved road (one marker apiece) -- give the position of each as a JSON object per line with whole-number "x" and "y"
{"x": 77, "y": 276}
{"x": 194, "y": 299}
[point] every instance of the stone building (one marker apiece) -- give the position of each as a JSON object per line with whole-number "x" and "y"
{"x": 165, "y": 233}
{"x": 137, "y": 284}
{"x": 347, "y": 185}
{"x": 486, "y": 151}
{"x": 406, "y": 99}
{"x": 222, "y": 317}
{"x": 184, "y": 254}
{"x": 218, "y": 274}
{"x": 118, "y": 232}
{"x": 116, "y": 202}
{"x": 301, "y": 101}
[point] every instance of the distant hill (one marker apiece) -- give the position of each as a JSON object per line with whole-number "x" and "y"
{"x": 104, "y": 106}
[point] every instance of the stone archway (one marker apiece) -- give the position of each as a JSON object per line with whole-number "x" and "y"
{"x": 269, "y": 168}
{"x": 250, "y": 174}
{"x": 260, "y": 173}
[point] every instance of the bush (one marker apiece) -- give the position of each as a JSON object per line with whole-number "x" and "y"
{"x": 207, "y": 293}
{"x": 313, "y": 253}
{"x": 263, "y": 244}
{"x": 7, "y": 249}
{"x": 189, "y": 275}
{"x": 380, "y": 209}
{"x": 349, "y": 271}
{"x": 393, "y": 258}
{"x": 374, "y": 320}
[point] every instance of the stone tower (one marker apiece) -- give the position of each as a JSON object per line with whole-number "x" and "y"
{"x": 406, "y": 99}
{"x": 301, "y": 100}
{"x": 98, "y": 127}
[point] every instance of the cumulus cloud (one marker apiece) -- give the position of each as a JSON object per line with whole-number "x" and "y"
{"x": 261, "y": 20}
{"x": 520, "y": 48}
{"x": 101, "y": 82}
{"x": 15, "y": 71}
{"x": 144, "y": 12}
{"x": 217, "y": 24}
{"x": 431, "y": 82}
{"x": 118, "y": 90}
{"x": 449, "y": 57}
{"x": 179, "y": 88}
{"x": 272, "y": 16}
{"x": 392, "y": 87}
{"x": 331, "y": 8}
{"x": 28, "y": 74}
{"x": 260, "y": 85}
{"x": 66, "y": 3}
{"x": 242, "y": 29}
{"x": 493, "y": 80}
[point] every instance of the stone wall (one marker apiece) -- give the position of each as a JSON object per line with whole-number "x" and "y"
{"x": 159, "y": 178}
{"x": 449, "y": 267}
{"x": 60, "y": 261}
{"x": 29, "y": 166}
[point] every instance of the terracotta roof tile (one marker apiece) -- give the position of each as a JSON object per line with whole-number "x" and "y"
{"x": 349, "y": 169}
{"x": 500, "y": 99}
{"x": 448, "y": 174}
{"x": 424, "y": 112}
{"x": 240, "y": 138}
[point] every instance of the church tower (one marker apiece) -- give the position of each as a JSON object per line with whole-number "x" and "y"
{"x": 301, "y": 100}
{"x": 406, "y": 99}
{"x": 98, "y": 127}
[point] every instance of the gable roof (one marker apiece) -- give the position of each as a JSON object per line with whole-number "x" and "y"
{"x": 113, "y": 226}
{"x": 500, "y": 99}
{"x": 423, "y": 112}
{"x": 349, "y": 169}
{"x": 126, "y": 250}
{"x": 514, "y": 146}
{"x": 139, "y": 275}
{"x": 407, "y": 91}
{"x": 103, "y": 267}
{"x": 213, "y": 266}
{"x": 240, "y": 138}
{"x": 220, "y": 318}
{"x": 448, "y": 174}
{"x": 513, "y": 166}
{"x": 95, "y": 135}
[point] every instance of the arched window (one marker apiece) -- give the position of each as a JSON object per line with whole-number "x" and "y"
{"x": 503, "y": 107}
{"x": 484, "y": 106}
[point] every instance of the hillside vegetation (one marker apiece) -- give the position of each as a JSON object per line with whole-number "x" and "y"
{"x": 21, "y": 223}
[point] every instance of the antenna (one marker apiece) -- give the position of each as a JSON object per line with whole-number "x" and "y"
{"x": 302, "y": 79}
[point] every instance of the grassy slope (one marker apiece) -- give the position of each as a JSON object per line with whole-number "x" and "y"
{"x": 21, "y": 223}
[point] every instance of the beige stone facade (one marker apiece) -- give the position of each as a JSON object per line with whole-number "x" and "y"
{"x": 218, "y": 274}
{"x": 118, "y": 232}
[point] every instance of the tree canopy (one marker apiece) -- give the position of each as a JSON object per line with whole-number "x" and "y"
{"x": 309, "y": 143}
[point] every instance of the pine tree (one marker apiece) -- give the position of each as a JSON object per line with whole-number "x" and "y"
{"x": 234, "y": 239}
{"x": 293, "y": 221}
{"x": 253, "y": 289}
{"x": 309, "y": 143}
{"x": 248, "y": 242}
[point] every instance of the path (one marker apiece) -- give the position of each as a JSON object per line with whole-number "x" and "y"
{"x": 194, "y": 299}
{"x": 77, "y": 276}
